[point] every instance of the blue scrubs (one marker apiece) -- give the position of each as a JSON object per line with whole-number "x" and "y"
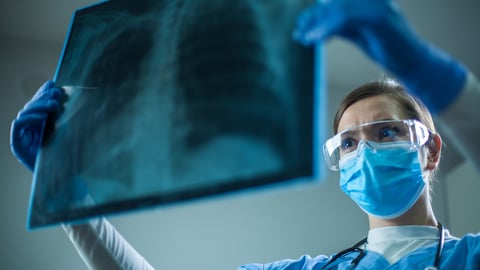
{"x": 461, "y": 253}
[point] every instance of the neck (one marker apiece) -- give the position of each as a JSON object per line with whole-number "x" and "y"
{"x": 421, "y": 213}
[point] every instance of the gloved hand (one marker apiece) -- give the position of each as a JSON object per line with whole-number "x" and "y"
{"x": 378, "y": 28}
{"x": 28, "y": 130}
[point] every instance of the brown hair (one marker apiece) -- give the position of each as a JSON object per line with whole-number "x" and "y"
{"x": 410, "y": 106}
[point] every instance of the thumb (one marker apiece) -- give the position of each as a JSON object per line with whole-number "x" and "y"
{"x": 26, "y": 137}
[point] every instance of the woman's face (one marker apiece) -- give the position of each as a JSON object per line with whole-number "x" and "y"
{"x": 379, "y": 108}
{"x": 382, "y": 107}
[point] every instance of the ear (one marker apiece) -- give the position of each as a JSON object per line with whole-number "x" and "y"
{"x": 434, "y": 147}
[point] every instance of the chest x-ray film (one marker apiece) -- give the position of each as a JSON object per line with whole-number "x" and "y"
{"x": 175, "y": 100}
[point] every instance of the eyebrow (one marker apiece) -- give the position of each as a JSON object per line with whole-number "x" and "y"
{"x": 348, "y": 132}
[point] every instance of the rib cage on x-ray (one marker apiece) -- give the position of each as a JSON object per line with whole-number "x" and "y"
{"x": 173, "y": 100}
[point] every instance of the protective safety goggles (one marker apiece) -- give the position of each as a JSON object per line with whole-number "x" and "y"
{"x": 379, "y": 132}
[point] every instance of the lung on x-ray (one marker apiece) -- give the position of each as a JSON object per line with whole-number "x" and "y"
{"x": 175, "y": 100}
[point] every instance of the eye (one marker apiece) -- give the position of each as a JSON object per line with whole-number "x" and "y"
{"x": 388, "y": 133}
{"x": 348, "y": 145}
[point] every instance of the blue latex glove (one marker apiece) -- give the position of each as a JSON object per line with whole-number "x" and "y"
{"x": 31, "y": 127}
{"x": 378, "y": 28}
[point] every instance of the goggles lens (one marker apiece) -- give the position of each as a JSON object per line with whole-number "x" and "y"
{"x": 380, "y": 132}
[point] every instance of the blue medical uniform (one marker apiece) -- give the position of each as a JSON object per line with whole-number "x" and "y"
{"x": 461, "y": 253}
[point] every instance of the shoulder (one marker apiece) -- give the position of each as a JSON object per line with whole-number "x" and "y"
{"x": 463, "y": 252}
{"x": 468, "y": 241}
{"x": 305, "y": 262}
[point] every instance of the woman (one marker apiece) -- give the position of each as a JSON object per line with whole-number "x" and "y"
{"x": 387, "y": 150}
{"x": 404, "y": 231}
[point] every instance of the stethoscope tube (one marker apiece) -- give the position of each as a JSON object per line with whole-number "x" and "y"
{"x": 361, "y": 251}
{"x": 354, "y": 248}
{"x": 441, "y": 241}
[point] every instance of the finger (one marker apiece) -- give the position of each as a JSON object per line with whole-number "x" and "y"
{"x": 318, "y": 23}
{"x": 305, "y": 22}
{"x": 49, "y": 91}
{"x": 26, "y": 136}
{"x": 22, "y": 126}
{"x": 51, "y": 107}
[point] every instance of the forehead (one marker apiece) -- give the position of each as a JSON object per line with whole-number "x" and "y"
{"x": 370, "y": 109}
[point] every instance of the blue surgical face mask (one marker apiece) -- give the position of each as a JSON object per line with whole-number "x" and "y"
{"x": 384, "y": 180}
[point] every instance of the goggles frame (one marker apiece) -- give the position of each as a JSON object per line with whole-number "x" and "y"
{"x": 419, "y": 134}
